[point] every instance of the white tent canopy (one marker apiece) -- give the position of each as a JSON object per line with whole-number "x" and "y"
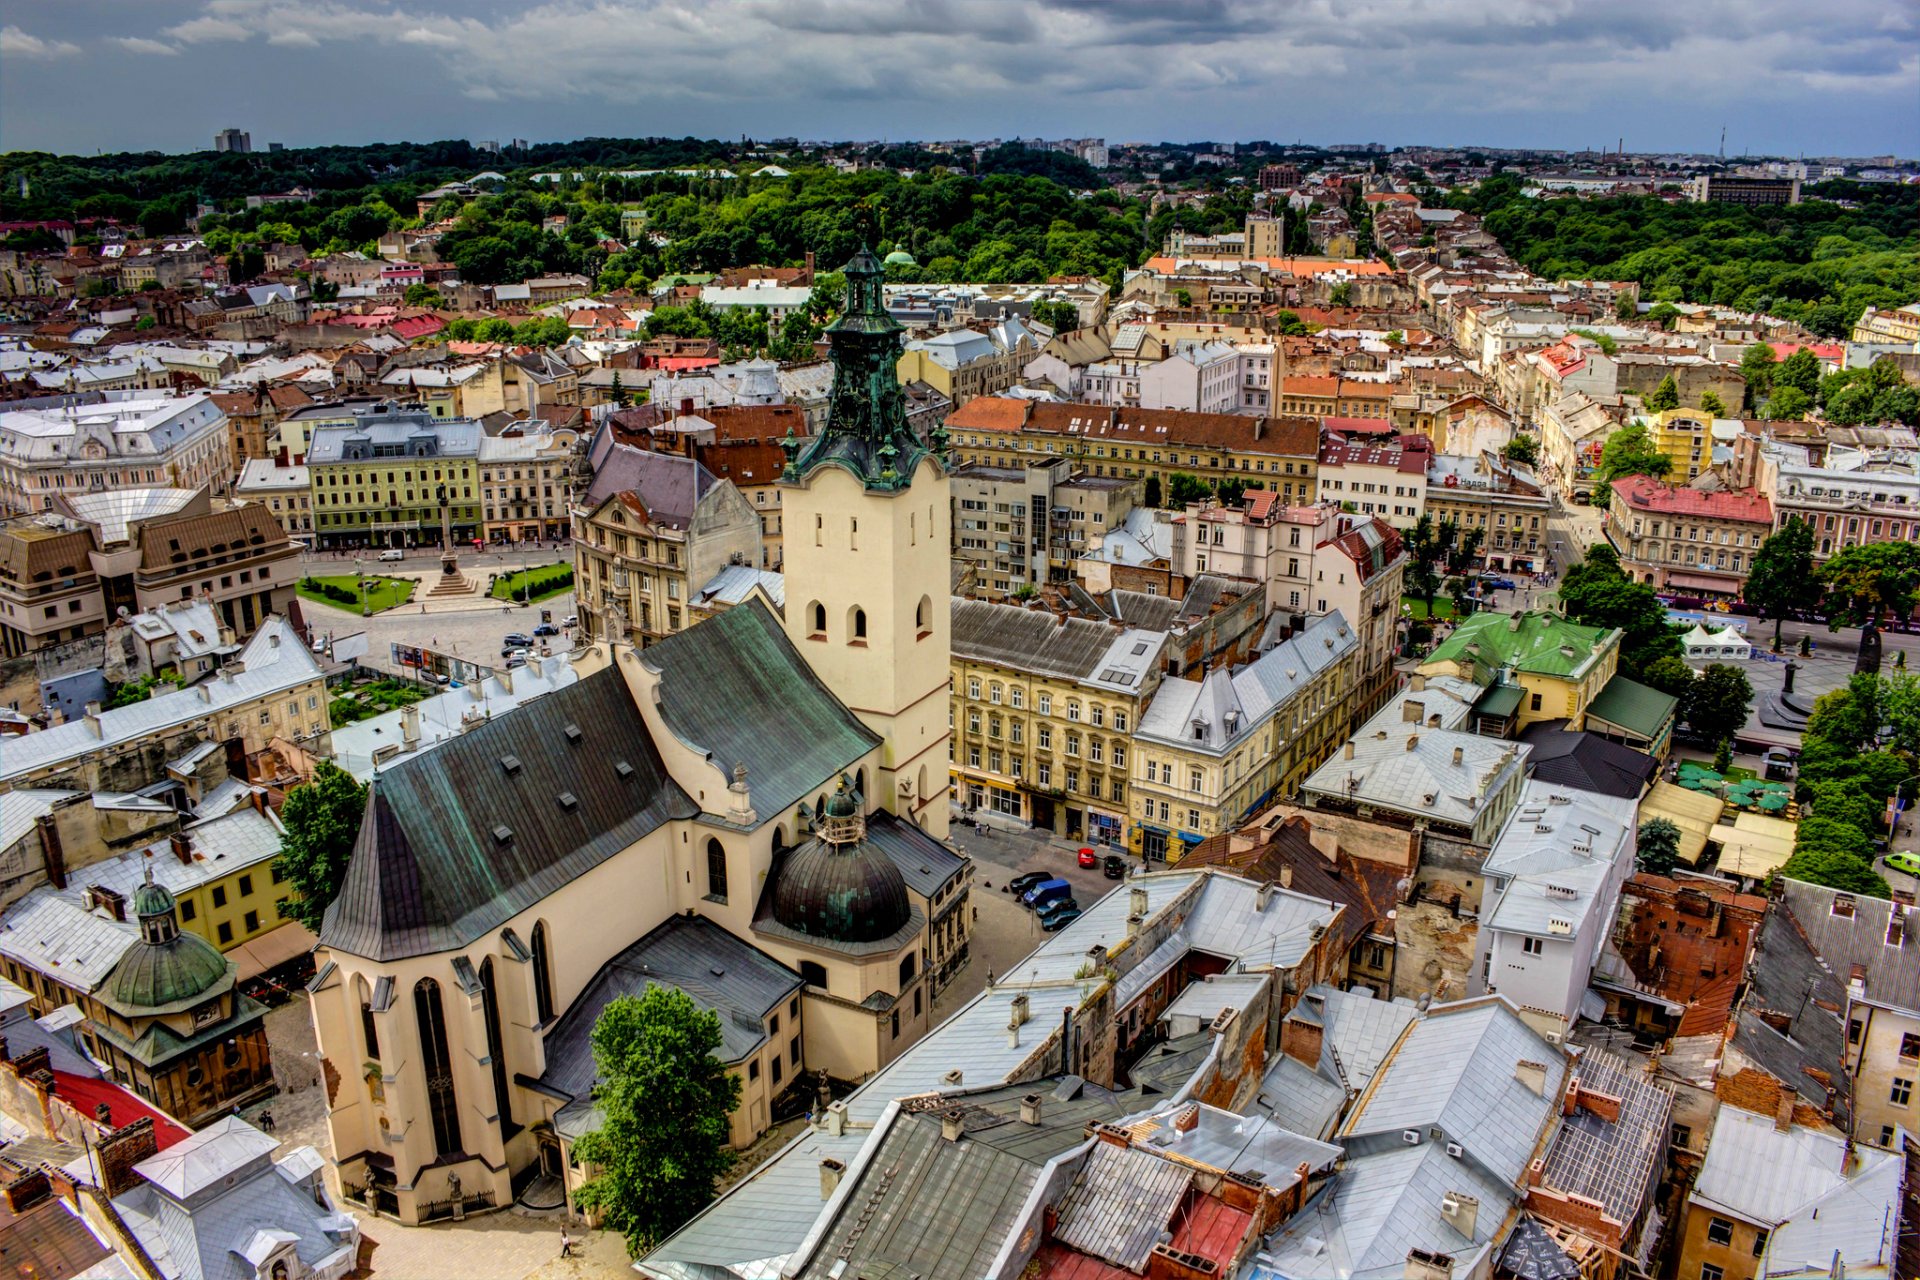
{"x": 1724, "y": 643}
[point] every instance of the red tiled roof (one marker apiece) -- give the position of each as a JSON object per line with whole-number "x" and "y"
{"x": 676, "y": 364}
{"x": 1830, "y": 351}
{"x": 1259, "y": 502}
{"x": 1643, "y": 493}
{"x": 1358, "y": 426}
{"x": 1408, "y": 461}
{"x": 123, "y": 1107}
{"x": 1328, "y": 387}
{"x": 991, "y": 413}
{"x": 418, "y": 326}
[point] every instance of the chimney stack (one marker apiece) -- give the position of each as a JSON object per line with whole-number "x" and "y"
{"x": 830, "y": 1171}
{"x": 1413, "y": 740}
{"x": 53, "y": 850}
{"x": 1030, "y": 1109}
{"x": 952, "y": 1124}
{"x": 1459, "y": 754}
{"x": 1533, "y": 1075}
{"x": 1346, "y": 752}
{"x": 182, "y": 844}
{"x": 1137, "y": 902}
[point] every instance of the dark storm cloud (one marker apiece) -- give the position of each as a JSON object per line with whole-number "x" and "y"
{"x": 1836, "y": 78}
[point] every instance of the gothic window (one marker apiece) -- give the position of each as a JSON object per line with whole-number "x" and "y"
{"x": 542, "y": 974}
{"x": 857, "y": 626}
{"x": 368, "y": 1030}
{"x": 442, "y": 1107}
{"x": 716, "y": 871}
{"x": 496, "y": 1049}
{"x": 817, "y": 620}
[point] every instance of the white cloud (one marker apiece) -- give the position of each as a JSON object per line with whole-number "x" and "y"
{"x": 202, "y": 29}
{"x": 15, "y": 43}
{"x": 140, "y": 44}
{"x": 426, "y": 36}
{"x": 294, "y": 39}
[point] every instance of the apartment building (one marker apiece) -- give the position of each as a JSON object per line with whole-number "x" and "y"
{"x": 383, "y": 480}
{"x": 122, "y": 440}
{"x": 1384, "y": 480}
{"x": 1851, "y": 497}
{"x": 1280, "y": 453}
{"x": 1687, "y": 540}
{"x": 1504, "y": 500}
{"x": 524, "y": 478}
{"x": 1016, "y": 527}
{"x": 1212, "y": 750}
{"x": 1198, "y": 377}
{"x": 1043, "y": 707}
{"x": 961, "y": 364}
{"x": 285, "y": 490}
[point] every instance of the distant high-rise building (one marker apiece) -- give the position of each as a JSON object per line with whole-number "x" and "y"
{"x": 1752, "y": 192}
{"x": 236, "y": 140}
{"x": 1279, "y": 177}
{"x": 276, "y": 146}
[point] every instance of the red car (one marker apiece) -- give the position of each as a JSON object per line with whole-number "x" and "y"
{"x": 1087, "y": 858}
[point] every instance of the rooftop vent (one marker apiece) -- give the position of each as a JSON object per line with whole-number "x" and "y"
{"x": 502, "y": 834}
{"x": 624, "y": 769}
{"x": 511, "y": 764}
{"x": 573, "y": 734}
{"x": 568, "y": 801}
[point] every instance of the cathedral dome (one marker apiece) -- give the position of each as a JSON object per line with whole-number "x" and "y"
{"x": 841, "y": 893}
{"x": 165, "y": 968}
{"x": 901, "y": 258}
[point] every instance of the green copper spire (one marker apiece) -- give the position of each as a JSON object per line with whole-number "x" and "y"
{"x": 866, "y": 430}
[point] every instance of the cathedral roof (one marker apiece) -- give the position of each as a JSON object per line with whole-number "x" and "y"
{"x": 735, "y": 688}
{"x": 166, "y": 970}
{"x": 459, "y": 840}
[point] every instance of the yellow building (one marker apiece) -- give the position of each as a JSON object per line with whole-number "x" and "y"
{"x": 382, "y": 481}
{"x": 1686, "y": 437}
{"x": 1210, "y": 752}
{"x": 1042, "y": 709}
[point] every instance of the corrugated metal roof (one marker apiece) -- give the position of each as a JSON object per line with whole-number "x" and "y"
{"x": 1781, "y": 1180}
{"x": 1119, "y": 1204}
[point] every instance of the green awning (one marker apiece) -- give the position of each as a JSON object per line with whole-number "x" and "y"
{"x": 1634, "y": 708}
{"x": 1500, "y": 701}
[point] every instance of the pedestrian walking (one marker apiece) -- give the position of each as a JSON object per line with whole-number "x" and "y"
{"x": 566, "y": 1244}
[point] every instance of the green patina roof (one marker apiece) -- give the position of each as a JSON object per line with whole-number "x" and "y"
{"x": 163, "y": 977}
{"x": 1634, "y": 707}
{"x": 900, "y": 258}
{"x": 866, "y": 431}
{"x": 1501, "y": 700}
{"x": 1539, "y": 644}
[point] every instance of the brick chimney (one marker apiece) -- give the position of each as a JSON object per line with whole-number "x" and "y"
{"x": 120, "y": 1150}
{"x": 53, "y": 852}
{"x": 1301, "y": 1039}
{"x": 182, "y": 846}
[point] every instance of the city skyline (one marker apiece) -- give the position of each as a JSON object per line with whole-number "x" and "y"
{"x": 1545, "y": 77}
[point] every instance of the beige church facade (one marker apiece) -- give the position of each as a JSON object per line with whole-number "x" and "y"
{"x": 751, "y": 810}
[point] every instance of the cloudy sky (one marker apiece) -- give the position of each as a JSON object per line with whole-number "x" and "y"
{"x": 1840, "y": 77}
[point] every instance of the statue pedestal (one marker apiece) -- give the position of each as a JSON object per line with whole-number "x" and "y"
{"x": 449, "y": 563}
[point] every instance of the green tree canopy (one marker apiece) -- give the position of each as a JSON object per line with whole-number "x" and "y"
{"x": 1788, "y": 404}
{"x": 665, "y": 1100}
{"x": 1658, "y": 851}
{"x": 1595, "y": 593}
{"x": 1713, "y": 404}
{"x": 1183, "y": 488}
{"x": 1834, "y": 854}
{"x": 1717, "y": 703}
{"x": 1665, "y": 396}
{"x": 1523, "y": 448}
{"x": 1630, "y": 451}
{"x": 322, "y": 820}
{"x": 1801, "y": 370}
{"x": 1869, "y": 582}
{"x": 1781, "y": 581}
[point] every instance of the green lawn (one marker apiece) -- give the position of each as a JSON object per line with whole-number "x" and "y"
{"x": 537, "y": 584}
{"x": 1417, "y": 609}
{"x": 381, "y": 594}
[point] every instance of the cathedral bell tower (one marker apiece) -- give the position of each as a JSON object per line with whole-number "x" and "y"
{"x": 866, "y": 547}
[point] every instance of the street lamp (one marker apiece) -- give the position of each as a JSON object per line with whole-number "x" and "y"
{"x": 360, "y": 583}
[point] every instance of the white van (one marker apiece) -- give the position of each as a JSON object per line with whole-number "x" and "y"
{"x": 393, "y": 553}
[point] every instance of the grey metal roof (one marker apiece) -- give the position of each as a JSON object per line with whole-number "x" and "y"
{"x": 432, "y": 870}
{"x": 1819, "y": 1193}
{"x": 453, "y": 437}
{"x": 20, "y": 810}
{"x": 1299, "y": 1098}
{"x": 1194, "y": 714}
{"x": 1412, "y": 769}
{"x": 735, "y": 688}
{"x": 1456, "y": 1071}
{"x": 1040, "y": 641}
{"x": 1358, "y": 1033}
{"x": 1859, "y": 937}
{"x": 1119, "y": 1203}
{"x": 1587, "y": 762}
{"x": 1248, "y": 1144}
{"x": 926, "y": 864}
{"x": 722, "y": 974}
{"x": 1787, "y": 977}
{"x": 1562, "y": 854}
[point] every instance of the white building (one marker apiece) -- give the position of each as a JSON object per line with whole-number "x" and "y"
{"x": 1196, "y": 377}
{"x": 128, "y": 439}
{"x": 1553, "y": 892}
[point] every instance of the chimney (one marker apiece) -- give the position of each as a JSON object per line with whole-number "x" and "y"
{"x": 1187, "y": 1118}
{"x": 1533, "y": 1075}
{"x": 1417, "y": 683}
{"x": 1300, "y": 1039}
{"x": 93, "y": 720}
{"x": 1030, "y": 1109}
{"x": 53, "y": 852}
{"x": 1513, "y": 621}
{"x": 953, "y": 1124}
{"x": 1459, "y": 754}
{"x": 830, "y": 1171}
{"x": 1783, "y": 1111}
{"x": 1413, "y": 740}
{"x": 120, "y": 1150}
{"x": 1137, "y": 902}
{"x": 1425, "y": 1264}
{"x": 1346, "y": 752}
{"x": 182, "y": 845}
{"x": 410, "y": 727}
{"x": 1020, "y": 1010}
{"x": 1413, "y": 711}
{"x": 1286, "y": 880}
{"x": 836, "y": 1121}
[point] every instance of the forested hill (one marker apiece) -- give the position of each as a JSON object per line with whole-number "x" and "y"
{"x": 1024, "y": 216}
{"x": 1847, "y": 247}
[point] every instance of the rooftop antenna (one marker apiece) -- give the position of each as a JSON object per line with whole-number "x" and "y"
{"x": 1723, "y": 144}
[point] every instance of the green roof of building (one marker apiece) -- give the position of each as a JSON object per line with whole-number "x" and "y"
{"x": 165, "y": 977}
{"x": 1500, "y": 701}
{"x": 1538, "y": 643}
{"x": 1640, "y": 710}
{"x": 735, "y": 688}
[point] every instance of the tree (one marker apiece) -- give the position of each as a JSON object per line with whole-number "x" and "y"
{"x": 1717, "y": 702}
{"x": 1670, "y": 675}
{"x": 1423, "y": 555}
{"x": 1523, "y": 448}
{"x": 1712, "y": 404}
{"x": 1630, "y": 451}
{"x": 1150, "y": 493}
{"x": 1058, "y": 316}
{"x": 1865, "y": 583}
{"x": 1596, "y": 593}
{"x": 1659, "y": 847}
{"x": 1788, "y": 404}
{"x": 1182, "y": 299}
{"x": 494, "y": 330}
{"x": 422, "y": 295}
{"x": 1834, "y": 854}
{"x": 1664, "y": 314}
{"x": 1229, "y": 492}
{"x": 1396, "y": 337}
{"x": 322, "y": 820}
{"x": 1665, "y": 396}
{"x": 1781, "y": 581}
{"x": 1801, "y": 370}
{"x": 1756, "y": 366}
{"x": 1625, "y": 308}
{"x": 665, "y": 1100}
{"x": 1340, "y": 295}
{"x": 1183, "y": 488}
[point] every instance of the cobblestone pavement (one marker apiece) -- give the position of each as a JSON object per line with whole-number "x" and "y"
{"x": 300, "y": 1108}
{"x": 496, "y": 1246}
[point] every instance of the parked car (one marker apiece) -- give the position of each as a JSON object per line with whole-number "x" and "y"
{"x": 517, "y": 660}
{"x": 1019, "y": 885}
{"x": 1114, "y": 867}
{"x": 1046, "y": 891}
{"x": 571, "y": 620}
{"x": 518, "y": 640}
{"x": 1088, "y": 858}
{"x": 1055, "y": 907}
{"x": 546, "y": 629}
{"x": 1904, "y": 862}
{"x": 1493, "y": 583}
{"x": 393, "y": 553}
{"x": 1060, "y": 920}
